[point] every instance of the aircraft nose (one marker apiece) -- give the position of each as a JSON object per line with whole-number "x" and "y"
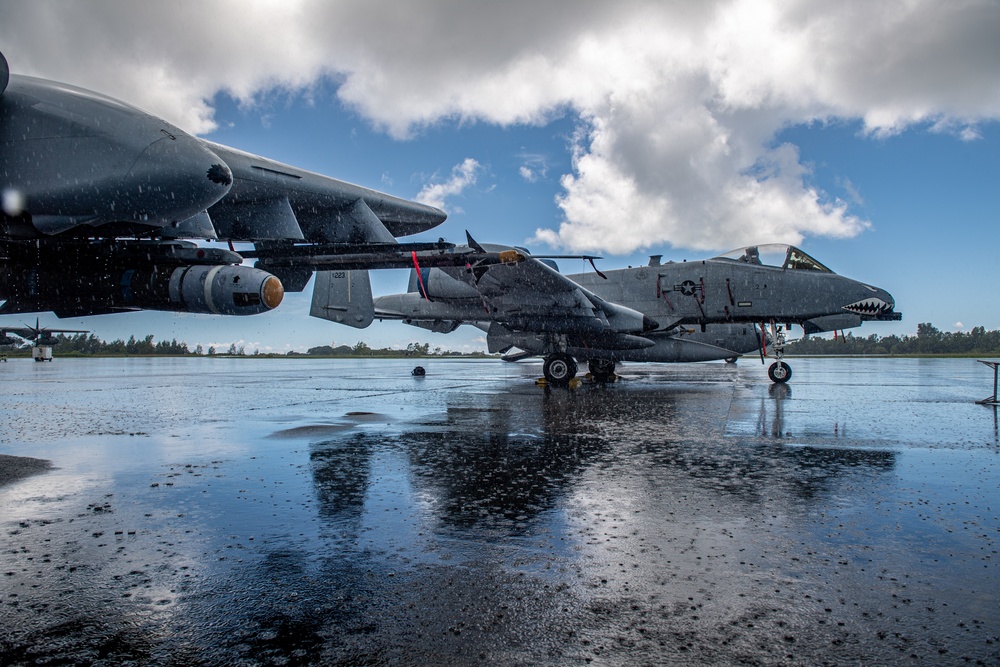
{"x": 874, "y": 304}
{"x": 175, "y": 178}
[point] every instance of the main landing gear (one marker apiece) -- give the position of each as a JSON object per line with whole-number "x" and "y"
{"x": 559, "y": 369}
{"x": 601, "y": 370}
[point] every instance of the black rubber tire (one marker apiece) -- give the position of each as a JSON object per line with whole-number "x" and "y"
{"x": 559, "y": 369}
{"x": 779, "y": 372}
{"x": 601, "y": 370}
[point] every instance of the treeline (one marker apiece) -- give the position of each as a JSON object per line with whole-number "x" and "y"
{"x": 929, "y": 340}
{"x": 85, "y": 344}
{"x": 91, "y": 345}
{"x": 361, "y": 349}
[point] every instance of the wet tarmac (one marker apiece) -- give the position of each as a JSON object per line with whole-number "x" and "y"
{"x": 293, "y": 512}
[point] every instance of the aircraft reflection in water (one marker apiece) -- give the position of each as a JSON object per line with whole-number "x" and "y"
{"x": 84, "y": 177}
{"x": 637, "y": 314}
{"x": 502, "y": 465}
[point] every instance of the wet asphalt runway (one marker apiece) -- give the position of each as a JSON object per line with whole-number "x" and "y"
{"x": 240, "y": 511}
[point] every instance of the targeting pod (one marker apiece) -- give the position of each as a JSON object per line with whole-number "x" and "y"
{"x": 224, "y": 290}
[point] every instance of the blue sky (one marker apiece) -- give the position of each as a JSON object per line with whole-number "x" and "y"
{"x": 685, "y": 132}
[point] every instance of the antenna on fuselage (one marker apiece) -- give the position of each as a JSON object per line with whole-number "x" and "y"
{"x": 473, "y": 244}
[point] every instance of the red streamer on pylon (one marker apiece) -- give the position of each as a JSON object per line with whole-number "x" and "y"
{"x": 420, "y": 277}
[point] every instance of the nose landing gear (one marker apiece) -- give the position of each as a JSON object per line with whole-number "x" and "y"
{"x": 779, "y": 372}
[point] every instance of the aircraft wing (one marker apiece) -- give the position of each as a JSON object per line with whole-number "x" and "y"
{"x": 513, "y": 288}
{"x": 271, "y": 201}
{"x": 99, "y": 197}
{"x": 95, "y": 306}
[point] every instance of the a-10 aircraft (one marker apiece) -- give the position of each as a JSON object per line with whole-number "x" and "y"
{"x": 97, "y": 195}
{"x": 636, "y": 314}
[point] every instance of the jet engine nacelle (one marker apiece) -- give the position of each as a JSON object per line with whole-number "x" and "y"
{"x": 437, "y": 284}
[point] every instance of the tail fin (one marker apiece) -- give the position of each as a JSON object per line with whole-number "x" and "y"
{"x": 344, "y": 297}
{"x": 419, "y": 281}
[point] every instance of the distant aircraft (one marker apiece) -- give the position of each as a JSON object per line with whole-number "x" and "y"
{"x": 636, "y": 314}
{"x": 41, "y": 337}
{"x": 37, "y": 334}
{"x": 97, "y": 194}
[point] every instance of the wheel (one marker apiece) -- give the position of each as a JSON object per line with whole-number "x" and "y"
{"x": 602, "y": 370}
{"x": 559, "y": 369}
{"x": 779, "y": 372}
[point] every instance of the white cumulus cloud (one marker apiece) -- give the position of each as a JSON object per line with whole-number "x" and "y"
{"x": 462, "y": 176}
{"x": 678, "y": 104}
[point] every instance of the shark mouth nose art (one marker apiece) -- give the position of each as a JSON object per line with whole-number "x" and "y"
{"x": 871, "y": 306}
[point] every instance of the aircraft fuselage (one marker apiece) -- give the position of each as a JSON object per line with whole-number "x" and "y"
{"x": 723, "y": 290}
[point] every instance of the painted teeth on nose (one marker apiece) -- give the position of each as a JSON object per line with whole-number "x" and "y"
{"x": 868, "y": 307}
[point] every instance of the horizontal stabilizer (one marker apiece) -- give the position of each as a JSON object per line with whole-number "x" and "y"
{"x": 344, "y": 297}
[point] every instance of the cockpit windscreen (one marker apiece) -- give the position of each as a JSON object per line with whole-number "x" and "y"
{"x": 776, "y": 255}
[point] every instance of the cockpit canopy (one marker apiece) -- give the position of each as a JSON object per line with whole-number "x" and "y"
{"x": 777, "y": 255}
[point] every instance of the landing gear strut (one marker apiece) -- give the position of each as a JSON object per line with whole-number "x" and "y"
{"x": 602, "y": 370}
{"x": 779, "y": 372}
{"x": 559, "y": 369}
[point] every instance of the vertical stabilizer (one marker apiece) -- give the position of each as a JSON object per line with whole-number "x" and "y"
{"x": 344, "y": 297}
{"x": 414, "y": 284}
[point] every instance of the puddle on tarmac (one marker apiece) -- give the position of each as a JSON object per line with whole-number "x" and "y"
{"x": 686, "y": 515}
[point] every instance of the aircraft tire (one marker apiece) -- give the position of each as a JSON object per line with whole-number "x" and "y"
{"x": 779, "y": 372}
{"x": 602, "y": 370}
{"x": 559, "y": 369}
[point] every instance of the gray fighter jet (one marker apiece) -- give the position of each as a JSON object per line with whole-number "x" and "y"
{"x": 637, "y": 314}
{"x": 97, "y": 195}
